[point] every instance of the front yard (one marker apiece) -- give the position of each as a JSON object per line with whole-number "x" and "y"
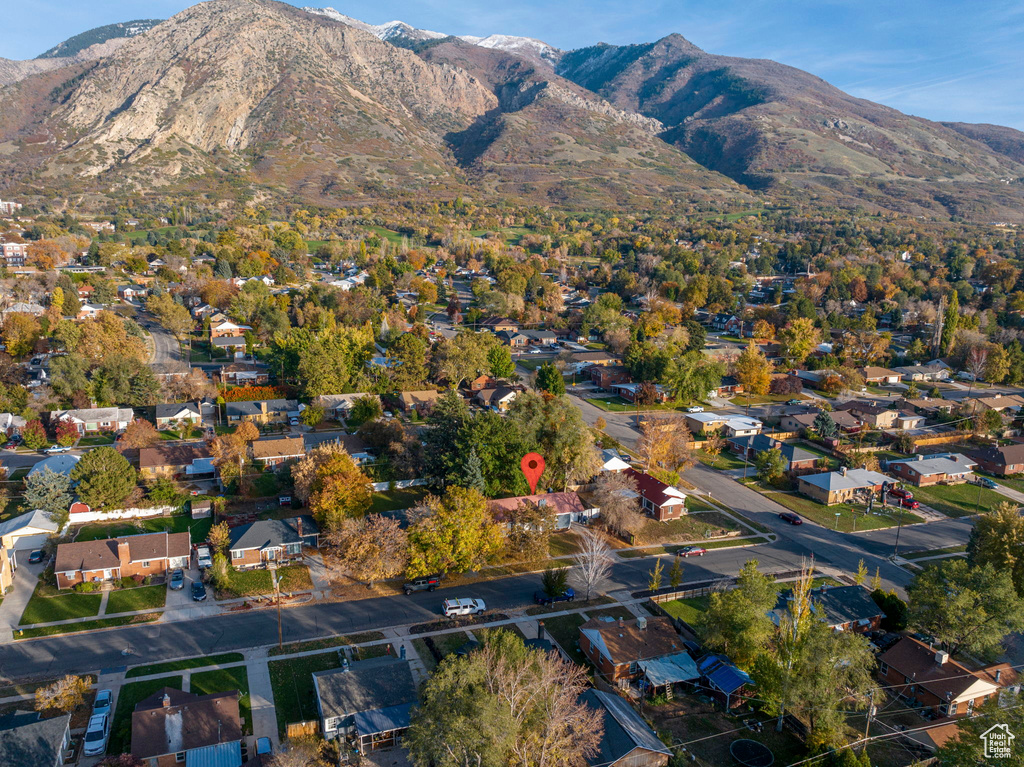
{"x": 142, "y": 598}
{"x": 851, "y": 518}
{"x": 958, "y": 500}
{"x": 565, "y": 629}
{"x": 724, "y": 461}
{"x": 691, "y": 527}
{"x": 393, "y": 500}
{"x": 46, "y": 609}
{"x": 226, "y": 680}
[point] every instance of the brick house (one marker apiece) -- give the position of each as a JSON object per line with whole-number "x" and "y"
{"x": 275, "y": 452}
{"x": 605, "y": 376}
{"x": 242, "y": 373}
{"x": 113, "y": 558}
{"x": 171, "y": 728}
{"x": 191, "y": 459}
{"x": 658, "y": 500}
{"x": 842, "y": 608}
{"x": 931, "y": 679}
{"x": 13, "y": 254}
{"x": 877, "y": 375}
{"x": 565, "y": 507}
{"x": 921, "y": 471}
{"x": 628, "y": 391}
{"x": 499, "y": 325}
{"x": 878, "y": 415}
{"x": 483, "y": 382}
{"x": 417, "y": 401}
{"x": 498, "y": 399}
{"x": 615, "y": 648}
{"x": 797, "y": 460}
{"x": 227, "y": 329}
{"x": 263, "y": 411}
{"x": 840, "y": 486}
{"x": 95, "y": 419}
{"x": 1001, "y": 461}
{"x": 271, "y": 540}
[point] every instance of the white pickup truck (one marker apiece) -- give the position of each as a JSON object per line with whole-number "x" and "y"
{"x": 203, "y": 559}
{"x": 453, "y": 607}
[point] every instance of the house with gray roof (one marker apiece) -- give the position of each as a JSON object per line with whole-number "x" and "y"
{"x": 797, "y": 460}
{"x": 28, "y": 741}
{"x": 271, "y": 540}
{"x": 370, "y": 700}
{"x": 263, "y": 411}
{"x": 626, "y": 739}
{"x": 841, "y": 486}
{"x": 62, "y": 463}
{"x": 842, "y": 608}
{"x": 922, "y": 470}
{"x": 95, "y": 419}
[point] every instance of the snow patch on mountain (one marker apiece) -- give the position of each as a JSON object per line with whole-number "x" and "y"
{"x": 523, "y": 46}
{"x": 389, "y": 31}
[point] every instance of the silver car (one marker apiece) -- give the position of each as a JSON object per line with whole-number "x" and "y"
{"x": 96, "y": 735}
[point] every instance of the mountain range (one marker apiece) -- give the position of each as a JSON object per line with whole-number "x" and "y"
{"x": 257, "y": 97}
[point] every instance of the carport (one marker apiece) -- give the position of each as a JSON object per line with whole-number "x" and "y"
{"x": 382, "y": 727}
{"x": 663, "y": 673}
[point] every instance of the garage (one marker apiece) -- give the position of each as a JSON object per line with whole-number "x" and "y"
{"x": 27, "y": 531}
{"x": 31, "y": 542}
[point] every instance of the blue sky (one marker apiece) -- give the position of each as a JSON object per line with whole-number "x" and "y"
{"x": 941, "y": 59}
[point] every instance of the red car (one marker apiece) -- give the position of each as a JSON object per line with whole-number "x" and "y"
{"x": 691, "y": 551}
{"x": 790, "y": 517}
{"x": 899, "y": 492}
{"x": 908, "y": 503}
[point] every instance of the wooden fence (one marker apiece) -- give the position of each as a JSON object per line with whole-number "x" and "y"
{"x": 302, "y": 729}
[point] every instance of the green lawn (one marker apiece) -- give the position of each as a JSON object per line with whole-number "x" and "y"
{"x": 327, "y": 642}
{"x": 616, "y": 612}
{"x": 619, "y": 405}
{"x": 766, "y": 399}
{"x": 42, "y": 609}
{"x": 84, "y": 626}
{"x": 725, "y": 461}
{"x": 176, "y": 523}
{"x": 292, "y": 682}
{"x": 565, "y": 629}
{"x": 851, "y": 519}
{"x": 247, "y": 583}
{"x": 130, "y": 600}
{"x": 130, "y": 695}
{"x": 1015, "y": 482}
{"x": 959, "y": 500}
{"x": 193, "y": 433}
{"x": 694, "y": 504}
{"x": 294, "y": 578}
{"x": 688, "y": 610}
{"x": 392, "y": 500}
{"x": 226, "y": 680}
{"x": 690, "y": 527}
{"x": 187, "y": 663}
{"x": 563, "y": 543}
{"x": 98, "y": 440}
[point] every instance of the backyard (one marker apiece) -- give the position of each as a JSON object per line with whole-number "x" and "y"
{"x": 176, "y": 523}
{"x": 393, "y": 500}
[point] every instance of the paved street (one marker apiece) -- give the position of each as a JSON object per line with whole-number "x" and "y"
{"x": 165, "y": 347}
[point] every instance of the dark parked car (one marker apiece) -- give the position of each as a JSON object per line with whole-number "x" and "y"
{"x": 790, "y": 517}
{"x": 177, "y": 579}
{"x": 424, "y": 583}
{"x": 986, "y": 482}
{"x": 198, "y": 591}
{"x": 543, "y": 598}
{"x": 35, "y": 557}
{"x": 691, "y": 551}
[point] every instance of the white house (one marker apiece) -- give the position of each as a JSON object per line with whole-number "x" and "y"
{"x": 96, "y": 419}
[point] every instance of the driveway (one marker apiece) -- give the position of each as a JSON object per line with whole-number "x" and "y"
{"x": 25, "y": 579}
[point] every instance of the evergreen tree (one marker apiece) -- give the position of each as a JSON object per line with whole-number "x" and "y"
{"x": 950, "y": 323}
{"x": 474, "y": 472}
{"x": 50, "y": 491}
{"x": 104, "y": 477}
{"x": 549, "y": 379}
{"x": 825, "y": 426}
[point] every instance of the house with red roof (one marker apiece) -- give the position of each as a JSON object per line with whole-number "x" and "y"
{"x": 657, "y": 499}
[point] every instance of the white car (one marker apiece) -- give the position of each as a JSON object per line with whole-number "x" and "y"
{"x": 454, "y": 607}
{"x": 102, "y": 703}
{"x": 57, "y": 449}
{"x": 203, "y": 558}
{"x": 96, "y": 735}
{"x": 695, "y": 409}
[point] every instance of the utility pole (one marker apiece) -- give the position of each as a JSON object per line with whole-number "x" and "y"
{"x": 277, "y": 590}
{"x": 871, "y": 714}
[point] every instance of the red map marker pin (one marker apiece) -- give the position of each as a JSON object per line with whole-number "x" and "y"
{"x": 532, "y": 466}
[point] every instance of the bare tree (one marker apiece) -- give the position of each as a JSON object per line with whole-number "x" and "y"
{"x": 615, "y": 494}
{"x": 976, "y": 362}
{"x": 593, "y": 563}
{"x": 300, "y": 752}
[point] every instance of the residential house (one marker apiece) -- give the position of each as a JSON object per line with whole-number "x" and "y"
{"x": 512, "y": 338}
{"x": 580, "y": 361}
{"x": 96, "y": 419}
{"x": 1001, "y": 461}
{"x": 263, "y": 411}
{"x": 85, "y": 292}
{"x": 231, "y": 344}
{"x": 628, "y": 391}
{"x": 23, "y": 307}
{"x": 927, "y": 406}
{"x": 907, "y": 420}
{"x": 227, "y": 329}
{"x": 266, "y": 541}
{"x": 726, "y": 682}
{"x": 797, "y": 422}
{"x": 612, "y": 461}
{"x": 922, "y": 373}
{"x": 606, "y": 376}
{"x": 418, "y": 402}
{"x": 30, "y": 530}
{"x": 841, "y": 486}
{"x": 132, "y": 292}
{"x": 182, "y": 461}
{"x": 169, "y": 416}
{"x": 110, "y": 559}
{"x": 728, "y": 323}
{"x": 732, "y": 425}
{"x": 540, "y": 337}
{"x": 483, "y": 382}
{"x": 658, "y": 500}
{"x": 172, "y": 727}
{"x": 1000, "y": 403}
{"x": 354, "y": 445}
{"x": 922, "y": 471}
{"x": 28, "y": 740}
{"x": 566, "y": 507}
{"x": 62, "y": 463}
{"x": 842, "y": 608}
{"x": 11, "y": 424}
{"x": 368, "y": 702}
{"x": 88, "y": 311}
{"x": 626, "y": 739}
{"x": 276, "y": 452}
{"x": 797, "y": 460}
{"x": 14, "y": 254}
{"x": 201, "y": 509}
{"x": 499, "y": 399}
{"x": 499, "y": 325}
{"x": 880, "y": 415}
{"x": 930, "y": 679}
{"x": 616, "y": 647}
{"x": 876, "y": 375}
{"x": 244, "y": 373}
{"x": 729, "y": 387}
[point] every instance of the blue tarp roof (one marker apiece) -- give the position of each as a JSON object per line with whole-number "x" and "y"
{"x": 383, "y": 719}
{"x": 728, "y": 678}
{"x": 218, "y": 755}
{"x": 670, "y": 669}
